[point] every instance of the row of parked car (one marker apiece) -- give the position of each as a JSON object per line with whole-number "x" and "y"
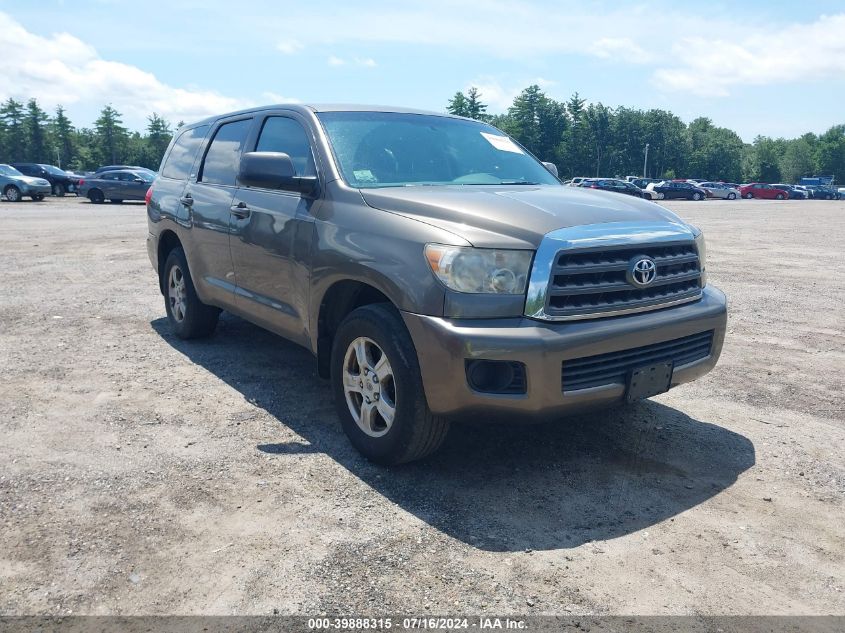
{"x": 109, "y": 182}
{"x": 699, "y": 189}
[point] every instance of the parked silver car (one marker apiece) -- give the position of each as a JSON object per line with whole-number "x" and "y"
{"x": 719, "y": 190}
{"x": 116, "y": 186}
{"x": 15, "y": 185}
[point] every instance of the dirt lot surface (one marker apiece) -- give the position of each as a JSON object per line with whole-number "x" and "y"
{"x": 142, "y": 474}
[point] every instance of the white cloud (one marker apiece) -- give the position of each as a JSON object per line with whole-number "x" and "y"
{"x": 800, "y": 52}
{"x": 367, "y": 62}
{"x": 620, "y": 48}
{"x": 62, "y": 69}
{"x": 289, "y": 47}
{"x": 275, "y": 97}
{"x": 499, "y": 97}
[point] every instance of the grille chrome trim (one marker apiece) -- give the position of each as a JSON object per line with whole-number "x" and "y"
{"x": 596, "y": 237}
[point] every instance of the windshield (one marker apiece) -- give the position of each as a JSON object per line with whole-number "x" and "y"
{"x": 8, "y": 170}
{"x": 388, "y": 149}
{"x": 54, "y": 170}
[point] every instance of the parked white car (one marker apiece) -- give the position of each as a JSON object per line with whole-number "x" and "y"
{"x": 719, "y": 190}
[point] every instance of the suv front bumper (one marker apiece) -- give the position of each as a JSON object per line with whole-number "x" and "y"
{"x": 445, "y": 345}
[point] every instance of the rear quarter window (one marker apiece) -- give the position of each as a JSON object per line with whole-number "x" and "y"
{"x": 178, "y": 163}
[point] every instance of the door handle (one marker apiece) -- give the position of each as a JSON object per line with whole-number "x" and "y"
{"x": 187, "y": 200}
{"x": 240, "y": 210}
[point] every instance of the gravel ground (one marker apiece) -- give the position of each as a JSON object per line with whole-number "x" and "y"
{"x": 145, "y": 475}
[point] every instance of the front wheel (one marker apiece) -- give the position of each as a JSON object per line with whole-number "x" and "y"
{"x": 696, "y": 196}
{"x": 38, "y": 197}
{"x": 189, "y": 317}
{"x": 749, "y": 195}
{"x": 378, "y": 390}
{"x": 779, "y": 196}
{"x": 12, "y": 193}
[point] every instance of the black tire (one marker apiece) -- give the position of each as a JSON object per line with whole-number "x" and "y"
{"x": 38, "y": 197}
{"x": 116, "y": 200}
{"x": 779, "y": 196}
{"x": 96, "y": 196}
{"x": 415, "y": 431}
{"x": 696, "y": 196}
{"x": 58, "y": 190}
{"x": 749, "y": 195}
{"x": 190, "y": 318}
{"x": 731, "y": 196}
{"x": 12, "y": 193}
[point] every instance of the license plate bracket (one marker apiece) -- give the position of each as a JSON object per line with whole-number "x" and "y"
{"x": 649, "y": 380}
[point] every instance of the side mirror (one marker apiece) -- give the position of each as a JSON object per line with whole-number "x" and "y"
{"x": 274, "y": 170}
{"x": 552, "y": 168}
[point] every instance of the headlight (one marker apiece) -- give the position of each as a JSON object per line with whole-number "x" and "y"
{"x": 702, "y": 256}
{"x": 480, "y": 270}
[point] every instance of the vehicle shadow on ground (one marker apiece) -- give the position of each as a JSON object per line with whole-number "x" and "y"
{"x": 498, "y": 488}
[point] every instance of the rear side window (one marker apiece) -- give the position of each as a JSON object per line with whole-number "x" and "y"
{"x": 221, "y": 161}
{"x": 281, "y": 134}
{"x": 178, "y": 163}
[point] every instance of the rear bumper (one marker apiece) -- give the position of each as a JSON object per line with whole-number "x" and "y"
{"x": 444, "y": 345}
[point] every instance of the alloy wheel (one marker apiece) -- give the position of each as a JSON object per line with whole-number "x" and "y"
{"x": 369, "y": 386}
{"x": 177, "y": 294}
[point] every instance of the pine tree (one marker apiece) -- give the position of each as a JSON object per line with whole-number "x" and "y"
{"x": 474, "y": 107}
{"x": 12, "y": 115}
{"x": 63, "y": 134}
{"x": 35, "y": 124}
{"x": 458, "y": 105}
{"x": 158, "y": 138}
{"x": 111, "y": 135}
{"x": 575, "y": 107}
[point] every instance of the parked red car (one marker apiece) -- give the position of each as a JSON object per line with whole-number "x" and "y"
{"x": 762, "y": 190}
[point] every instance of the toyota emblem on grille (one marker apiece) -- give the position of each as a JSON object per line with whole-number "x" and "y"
{"x": 642, "y": 272}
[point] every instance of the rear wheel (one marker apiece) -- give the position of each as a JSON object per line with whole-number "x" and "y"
{"x": 779, "y": 196}
{"x": 189, "y": 317}
{"x": 696, "y": 196}
{"x": 749, "y": 195}
{"x": 378, "y": 390}
{"x": 12, "y": 193}
{"x": 731, "y": 196}
{"x": 96, "y": 196}
{"x": 58, "y": 189}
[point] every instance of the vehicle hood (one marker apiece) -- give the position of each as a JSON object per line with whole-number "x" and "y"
{"x": 33, "y": 180}
{"x": 515, "y": 216}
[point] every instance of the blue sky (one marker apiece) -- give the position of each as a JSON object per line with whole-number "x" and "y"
{"x": 774, "y": 68}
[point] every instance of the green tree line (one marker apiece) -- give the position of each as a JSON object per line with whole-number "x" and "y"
{"x": 581, "y": 139}
{"x": 29, "y": 134}
{"x": 596, "y": 140}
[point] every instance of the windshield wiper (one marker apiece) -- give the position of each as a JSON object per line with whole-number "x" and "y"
{"x": 518, "y": 182}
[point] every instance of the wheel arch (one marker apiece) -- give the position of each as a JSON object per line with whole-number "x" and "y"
{"x": 335, "y": 304}
{"x": 167, "y": 241}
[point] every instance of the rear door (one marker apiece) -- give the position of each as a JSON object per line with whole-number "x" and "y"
{"x": 109, "y": 185}
{"x": 272, "y": 234}
{"x": 209, "y": 199}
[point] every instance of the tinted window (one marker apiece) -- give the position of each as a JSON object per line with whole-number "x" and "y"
{"x": 281, "y": 134}
{"x": 220, "y": 166}
{"x": 109, "y": 176}
{"x": 181, "y": 157}
{"x": 126, "y": 177}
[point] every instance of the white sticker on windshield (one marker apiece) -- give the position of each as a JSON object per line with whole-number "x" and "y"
{"x": 364, "y": 175}
{"x": 502, "y": 142}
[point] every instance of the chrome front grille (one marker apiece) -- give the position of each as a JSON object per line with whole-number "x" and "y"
{"x": 596, "y": 281}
